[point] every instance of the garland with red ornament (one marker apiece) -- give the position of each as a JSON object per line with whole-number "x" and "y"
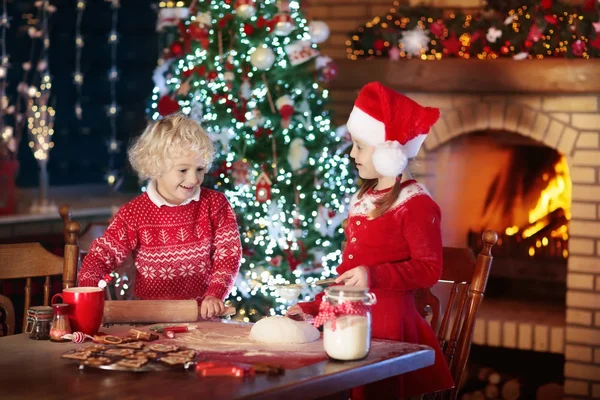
{"x": 532, "y": 30}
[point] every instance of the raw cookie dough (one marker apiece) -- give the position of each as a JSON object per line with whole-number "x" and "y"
{"x": 283, "y": 330}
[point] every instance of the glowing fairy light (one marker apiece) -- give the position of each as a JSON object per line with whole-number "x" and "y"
{"x": 113, "y": 109}
{"x": 79, "y": 42}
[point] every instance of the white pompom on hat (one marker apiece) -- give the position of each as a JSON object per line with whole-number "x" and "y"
{"x": 393, "y": 123}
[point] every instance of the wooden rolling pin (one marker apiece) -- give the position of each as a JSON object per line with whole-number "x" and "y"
{"x": 154, "y": 311}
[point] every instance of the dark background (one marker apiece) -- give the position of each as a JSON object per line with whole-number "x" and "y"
{"x": 80, "y": 146}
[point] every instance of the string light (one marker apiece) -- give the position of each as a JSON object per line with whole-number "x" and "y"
{"x": 113, "y": 109}
{"x": 7, "y": 139}
{"x": 40, "y": 114}
{"x": 79, "y": 43}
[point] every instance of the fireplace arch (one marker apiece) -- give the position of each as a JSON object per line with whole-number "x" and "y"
{"x": 570, "y": 124}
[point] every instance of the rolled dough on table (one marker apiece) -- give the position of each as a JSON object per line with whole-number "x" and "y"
{"x": 283, "y": 330}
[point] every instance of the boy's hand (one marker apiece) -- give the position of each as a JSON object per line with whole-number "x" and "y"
{"x": 357, "y": 276}
{"x": 211, "y": 307}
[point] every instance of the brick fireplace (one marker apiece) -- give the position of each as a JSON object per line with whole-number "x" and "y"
{"x": 554, "y": 105}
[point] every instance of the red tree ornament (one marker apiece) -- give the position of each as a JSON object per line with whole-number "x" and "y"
{"x": 452, "y": 45}
{"x": 248, "y": 29}
{"x": 437, "y": 28}
{"x": 285, "y": 106}
{"x": 176, "y": 49}
{"x": 327, "y": 68}
{"x": 378, "y": 44}
{"x": 578, "y": 48}
{"x": 197, "y": 32}
{"x": 263, "y": 187}
{"x": 534, "y": 33}
{"x": 261, "y": 22}
{"x": 276, "y": 261}
{"x": 240, "y": 172}
{"x": 167, "y": 105}
{"x": 589, "y": 5}
{"x": 551, "y": 19}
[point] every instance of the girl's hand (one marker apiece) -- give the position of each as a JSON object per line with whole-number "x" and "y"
{"x": 357, "y": 276}
{"x": 293, "y": 310}
{"x": 211, "y": 307}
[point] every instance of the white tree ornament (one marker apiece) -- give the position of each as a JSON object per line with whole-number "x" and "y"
{"x": 298, "y": 154}
{"x": 159, "y": 77}
{"x": 223, "y": 137}
{"x": 319, "y": 31}
{"x": 204, "y": 19}
{"x": 197, "y": 111}
{"x": 415, "y": 41}
{"x": 245, "y": 9}
{"x": 493, "y": 34}
{"x": 262, "y": 57}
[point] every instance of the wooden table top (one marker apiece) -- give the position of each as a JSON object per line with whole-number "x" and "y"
{"x": 33, "y": 369}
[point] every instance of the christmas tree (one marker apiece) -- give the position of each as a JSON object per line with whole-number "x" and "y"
{"x": 251, "y": 74}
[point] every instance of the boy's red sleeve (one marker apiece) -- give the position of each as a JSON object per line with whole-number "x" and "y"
{"x": 227, "y": 252}
{"x": 108, "y": 251}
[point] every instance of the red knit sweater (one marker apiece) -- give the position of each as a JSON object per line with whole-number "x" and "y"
{"x": 182, "y": 252}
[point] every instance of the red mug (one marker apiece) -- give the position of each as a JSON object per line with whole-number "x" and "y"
{"x": 86, "y": 308}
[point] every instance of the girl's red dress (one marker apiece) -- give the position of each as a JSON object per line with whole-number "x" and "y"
{"x": 402, "y": 250}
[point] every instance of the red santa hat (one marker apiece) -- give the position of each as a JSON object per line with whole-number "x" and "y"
{"x": 393, "y": 123}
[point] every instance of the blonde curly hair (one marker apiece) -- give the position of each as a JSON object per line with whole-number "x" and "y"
{"x": 151, "y": 154}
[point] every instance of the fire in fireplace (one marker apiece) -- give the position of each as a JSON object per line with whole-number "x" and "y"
{"x": 545, "y": 236}
{"x": 521, "y": 189}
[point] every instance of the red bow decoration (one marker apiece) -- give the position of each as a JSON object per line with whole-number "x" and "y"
{"x": 223, "y": 21}
{"x": 261, "y": 22}
{"x": 167, "y": 105}
{"x": 327, "y": 312}
{"x": 292, "y": 260}
{"x": 262, "y": 132}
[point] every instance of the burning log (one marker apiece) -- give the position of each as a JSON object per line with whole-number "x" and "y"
{"x": 543, "y": 240}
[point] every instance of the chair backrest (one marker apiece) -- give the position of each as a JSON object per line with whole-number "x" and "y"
{"x": 124, "y": 289}
{"x": 466, "y": 276}
{"x": 91, "y": 232}
{"x": 31, "y": 260}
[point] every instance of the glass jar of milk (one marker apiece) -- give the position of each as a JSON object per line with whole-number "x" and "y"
{"x": 347, "y": 329}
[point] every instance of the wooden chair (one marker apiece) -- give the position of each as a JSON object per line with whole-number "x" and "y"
{"x": 31, "y": 260}
{"x": 466, "y": 277}
{"x": 91, "y": 232}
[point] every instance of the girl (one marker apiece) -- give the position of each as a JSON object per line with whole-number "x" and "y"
{"x": 184, "y": 239}
{"x": 393, "y": 234}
